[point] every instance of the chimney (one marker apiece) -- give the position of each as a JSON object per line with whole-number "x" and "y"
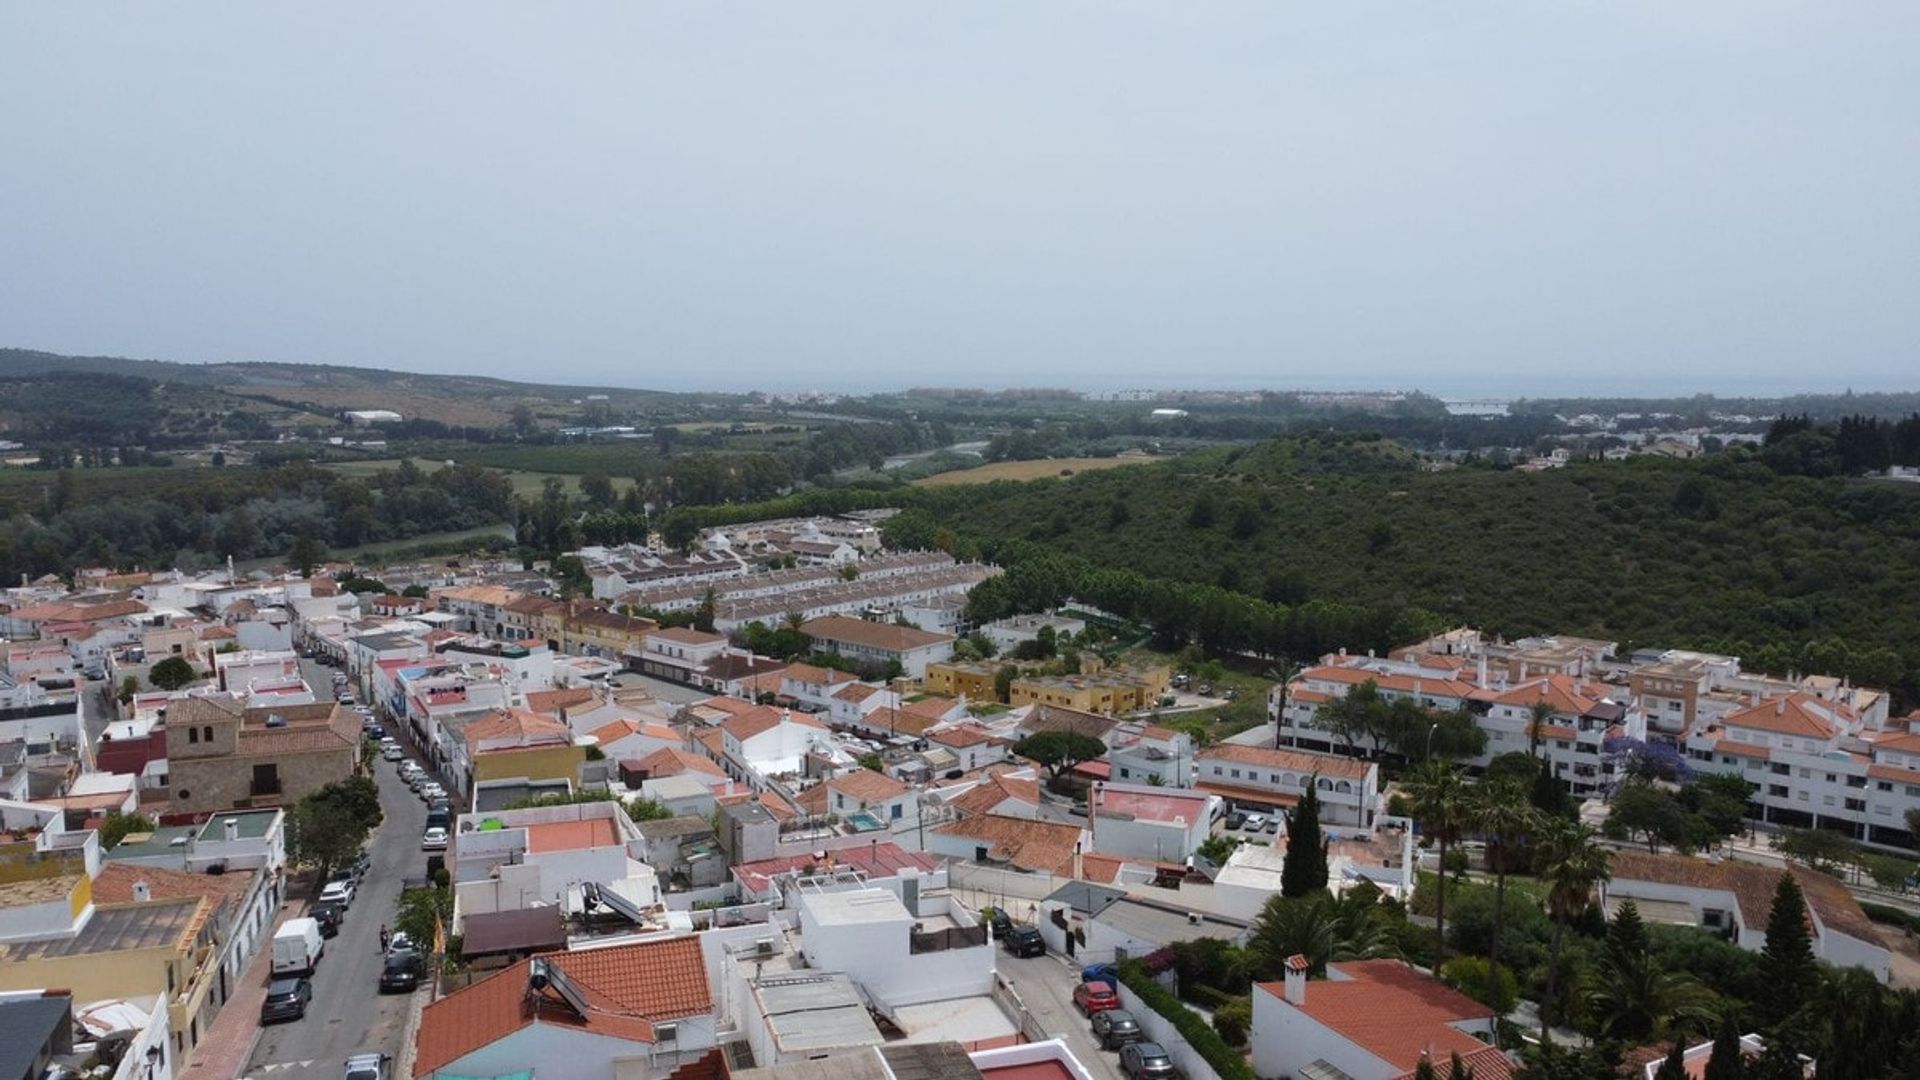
{"x": 231, "y": 827}
{"x": 1297, "y": 980}
{"x": 1079, "y": 865}
{"x": 1483, "y": 669}
{"x": 142, "y": 892}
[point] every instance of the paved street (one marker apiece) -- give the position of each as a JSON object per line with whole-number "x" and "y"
{"x": 348, "y": 1014}
{"x": 1045, "y": 984}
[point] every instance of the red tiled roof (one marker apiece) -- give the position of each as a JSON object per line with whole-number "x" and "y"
{"x": 761, "y": 718}
{"x": 867, "y": 785}
{"x": 1295, "y": 761}
{"x": 1795, "y": 714}
{"x": 1029, "y": 845}
{"x": 1391, "y": 1011}
{"x": 1752, "y": 887}
{"x": 552, "y": 701}
{"x": 672, "y": 761}
{"x": 571, "y": 835}
{"x": 521, "y": 727}
{"x": 627, "y": 989}
{"x": 880, "y": 636}
{"x": 996, "y": 789}
{"x": 114, "y": 885}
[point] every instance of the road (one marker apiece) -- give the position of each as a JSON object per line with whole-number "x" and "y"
{"x": 348, "y": 1014}
{"x": 1045, "y": 984}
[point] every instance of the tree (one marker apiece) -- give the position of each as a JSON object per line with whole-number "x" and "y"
{"x": 1822, "y": 849}
{"x": 1632, "y": 998}
{"x": 129, "y": 686}
{"x": 1572, "y": 862}
{"x": 1538, "y": 715}
{"x": 1728, "y": 1060}
{"x": 118, "y": 825}
{"x": 1424, "y": 1070}
{"x": 1059, "y": 751}
{"x": 307, "y": 553}
{"x": 1218, "y": 848}
{"x": 1319, "y": 927}
{"x": 1787, "y": 965}
{"x": 1549, "y": 794}
{"x": 641, "y": 808}
{"x": 1303, "y": 870}
{"x": 597, "y": 489}
{"x": 1457, "y": 1069}
{"x": 1506, "y": 820}
{"x": 703, "y": 615}
{"x": 1641, "y": 809}
{"x": 1675, "y": 1066}
{"x": 173, "y": 673}
{"x": 522, "y": 419}
{"x": 1440, "y": 806}
{"x": 323, "y": 834}
{"x": 1003, "y": 682}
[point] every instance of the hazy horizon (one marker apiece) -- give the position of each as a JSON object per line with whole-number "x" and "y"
{"x": 1509, "y": 200}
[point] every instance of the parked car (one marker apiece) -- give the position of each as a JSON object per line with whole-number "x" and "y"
{"x": 434, "y": 839}
{"x": 400, "y": 942}
{"x": 402, "y": 971}
{"x": 1024, "y": 941}
{"x": 1146, "y": 1061}
{"x": 1254, "y": 822}
{"x": 391, "y": 750}
{"x": 1236, "y": 819}
{"x": 1205, "y": 690}
{"x": 1273, "y": 824}
{"x": 439, "y": 817}
{"x": 338, "y": 891}
{"x": 1116, "y": 1028}
{"x": 287, "y": 999}
{"x": 432, "y": 790}
{"x": 369, "y": 1067}
{"x": 297, "y": 947}
{"x": 1093, "y": 998}
{"x": 329, "y": 916}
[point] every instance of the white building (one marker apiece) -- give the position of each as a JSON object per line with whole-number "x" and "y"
{"x": 1262, "y": 778}
{"x": 1369, "y": 1020}
{"x": 871, "y": 935}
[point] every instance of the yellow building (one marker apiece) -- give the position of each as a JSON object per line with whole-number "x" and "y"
{"x": 954, "y": 678}
{"x": 519, "y": 743}
{"x": 1109, "y": 692}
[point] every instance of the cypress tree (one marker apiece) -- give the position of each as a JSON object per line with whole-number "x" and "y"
{"x": 1787, "y": 963}
{"x": 1675, "y": 1067}
{"x": 1303, "y": 870}
{"x": 1727, "y": 1061}
{"x": 1459, "y": 1071}
{"x": 1549, "y": 795}
{"x": 1424, "y": 1070}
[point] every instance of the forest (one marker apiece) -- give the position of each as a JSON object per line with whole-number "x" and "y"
{"x": 1730, "y": 552}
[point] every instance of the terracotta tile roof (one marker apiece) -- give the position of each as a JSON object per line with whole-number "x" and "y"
{"x": 114, "y": 884}
{"x": 933, "y": 707}
{"x": 1240, "y": 793}
{"x": 495, "y": 595}
{"x": 1296, "y": 761}
{"x": 867, "y": 786}
{"x": 995, "y": 789}
{"x": 1391, "y": 1011}
{"x": 1562, "y": 693}
{"x": 732, "y": 706}
{"x": 517, "y": 728}
{"x": 1752, "y": 887}
{"x": 855, "y": 693}
{"x": 713, "y": 740}
{"x": 1487, "y": 1063}
{"x": 1801, "y": 715}
{"x": 817, "y": 676}
{"x": 961, "y": 736}
{"x": 885, "y": 859}
{"x": 1439, "y": 686}
{"x": 687, "y": 635}
{"x": 1029, "y": 845}
{"x": 552, "y": 701}
{"x": 1894, "y": 773}
{"x": 571, "y": 835}
{"x": 1740, "y": 749}
{"x": 627, "y": 989}
{"x": 872, "y": 635}
{"x": 764, "y": 718}
{"x": 672, "y": 761}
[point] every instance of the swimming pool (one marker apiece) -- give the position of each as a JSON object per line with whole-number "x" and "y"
{"x": 861, "y": 821}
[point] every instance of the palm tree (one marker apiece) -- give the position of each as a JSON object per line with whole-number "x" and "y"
{"x": 1319, "y": 928}
{"x": 1572, "y": 862}
{"x": 1440, "y": 804}
{"x": 1542, "y": 712}
{"x": 1505, "y": 819}
{"x": 1637, "y": 1000}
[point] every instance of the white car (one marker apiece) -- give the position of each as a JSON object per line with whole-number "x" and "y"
{"x": 337, "y": 891}
{"x": 431, "y": 792}
{"x": 369, "y": 1067}
{"x": 434, "y": 839}
{"x": 1254, "y": 823}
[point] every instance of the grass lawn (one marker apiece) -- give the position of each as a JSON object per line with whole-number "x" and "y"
{"x": 1029, "y": 470}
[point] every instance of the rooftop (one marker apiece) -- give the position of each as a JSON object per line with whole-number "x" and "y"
{"x": 253, "y": 824}
{"x": 156, "y": 924}
{"x": 814, "y": 1011}
{"x": 881, "y": 636}
{"x": 1393, "y": 1012}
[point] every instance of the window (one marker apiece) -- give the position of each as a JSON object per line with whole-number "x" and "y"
{"x": 1826, "y": 800}
{"x": 1236, "y": 774}
{"x": 193, "y": 734}
{"x": 206, "y": 733}
{"x": 1778, "y": 791}
{"x": 1883, "y": 785}
{"x": 1857, "y": 805}
{"x": 1216, "y": 770}
{"x": 896, "y": 812}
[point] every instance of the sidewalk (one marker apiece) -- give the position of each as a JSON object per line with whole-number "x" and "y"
{"x": 228, "y": 1044}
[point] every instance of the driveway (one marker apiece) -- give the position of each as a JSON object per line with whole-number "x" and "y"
{"x": 349, "y": 1015}
{"x": 1045, "y": 984}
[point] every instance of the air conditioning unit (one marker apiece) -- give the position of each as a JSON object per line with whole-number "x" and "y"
{"x": 666, "y": 1033}
{"x": 1193, "y": 918}
{"x": 765, "y": 946}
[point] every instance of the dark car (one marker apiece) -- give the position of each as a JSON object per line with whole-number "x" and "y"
{"x": 1024, "y": 941}
{"x": 1002, "y": 924}
{"x": 402, "y": 971}
{"x": 286, "y": 1000}
{"x": 329, "y": 916}
{"x": 1146, "y": 1061}
{"x": 1116, "y": 1028}
{"x": 1273, "y": 824}
{"x": 1236, "y": 819}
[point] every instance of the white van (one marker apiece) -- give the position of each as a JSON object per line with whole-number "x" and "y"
{"x": 296, "y": 947}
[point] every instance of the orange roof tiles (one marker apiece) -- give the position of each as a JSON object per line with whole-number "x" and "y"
{"x": 672, "y": 761}
{"x": 996, "y": 789}
{"x": 961, "y": 736}
{"x": 1752, "y": 887}
{"x": 867, "y": 785}
{"x": 816, "y": 676}
{"x": 518, "y": 727}
{"x": 872, "y": 635}
{"x": 571, "y": 835}
{"x": 627, "y": 989}
{"x": 552, "y": 701}
{"x": 1795, "y": 714}
{"x": 1029, "y": 845}
{"x": 1391, "y": 1011}
{"x": 1298, "y": 761}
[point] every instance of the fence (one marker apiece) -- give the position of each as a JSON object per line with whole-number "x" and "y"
{"x": 953, "y": 937}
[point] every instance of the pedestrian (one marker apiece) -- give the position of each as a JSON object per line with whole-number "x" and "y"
{"x": 385, "y": 937}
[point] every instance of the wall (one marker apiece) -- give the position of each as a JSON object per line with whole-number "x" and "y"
{"x": 1161, "y": 1030}
{"x": 547, "y": 763}
{"x": 558, "y": 1053}
{"x": 1156, "y": 840}
{"x": 1285, "y": 1040}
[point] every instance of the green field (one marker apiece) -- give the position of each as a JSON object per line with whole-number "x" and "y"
{"x": 525, "y": 482}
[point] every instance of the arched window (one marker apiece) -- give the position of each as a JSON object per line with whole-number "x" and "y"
{"x": 1343, "y": 788}
{"x": 1325, "y": 784}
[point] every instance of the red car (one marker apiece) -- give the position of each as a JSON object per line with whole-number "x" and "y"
{"x": 1093, "y": 997}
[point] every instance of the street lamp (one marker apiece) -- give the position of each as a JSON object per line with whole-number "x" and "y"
{"x": 1430, "y": 731}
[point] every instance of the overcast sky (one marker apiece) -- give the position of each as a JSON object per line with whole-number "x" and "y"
{"x": 1474, "y": 198}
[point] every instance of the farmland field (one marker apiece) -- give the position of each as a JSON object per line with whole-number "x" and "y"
{"x": 1029, "y": 470}
{"x": 525, "y": 482}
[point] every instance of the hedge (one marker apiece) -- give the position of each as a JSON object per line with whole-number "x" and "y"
{"x": 1199, "y": 1034}
{"x": 1893, "y": 916}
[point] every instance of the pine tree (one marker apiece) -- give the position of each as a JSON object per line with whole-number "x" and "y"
{"x": 1727, "y": 1061}
{"x": 1303, "y": 870}
{"x": 1627, "y": 936}
{"x": 1675, "y": 1067}
{"x": 1787, "y": 963}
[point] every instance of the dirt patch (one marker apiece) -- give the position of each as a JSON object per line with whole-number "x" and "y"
{"x": 332, "y": 400}
{"x": 1029, "y": 470}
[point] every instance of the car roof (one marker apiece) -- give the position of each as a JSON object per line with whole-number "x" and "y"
{"x": 285, "y": 985}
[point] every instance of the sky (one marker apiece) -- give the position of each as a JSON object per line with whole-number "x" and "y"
{"x": 1479, "y": 199}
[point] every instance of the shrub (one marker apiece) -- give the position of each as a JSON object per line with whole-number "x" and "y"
{"x": 1892, "y": 916}
{"x": 1205, "y": 1041}
{"x": 1474, "y": 977}
{"x": 1234, "y": 1020}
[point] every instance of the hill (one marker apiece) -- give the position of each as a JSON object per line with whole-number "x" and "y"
{"x": 1793, "y": 573}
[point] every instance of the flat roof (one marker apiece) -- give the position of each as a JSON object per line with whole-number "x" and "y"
{"x": 151, "y": 925}
{"x": 158, "y": 842}
{"x": 815, "y": 1012}
{"x": 253, "y": 824}
{"x": 854, "y": 908}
